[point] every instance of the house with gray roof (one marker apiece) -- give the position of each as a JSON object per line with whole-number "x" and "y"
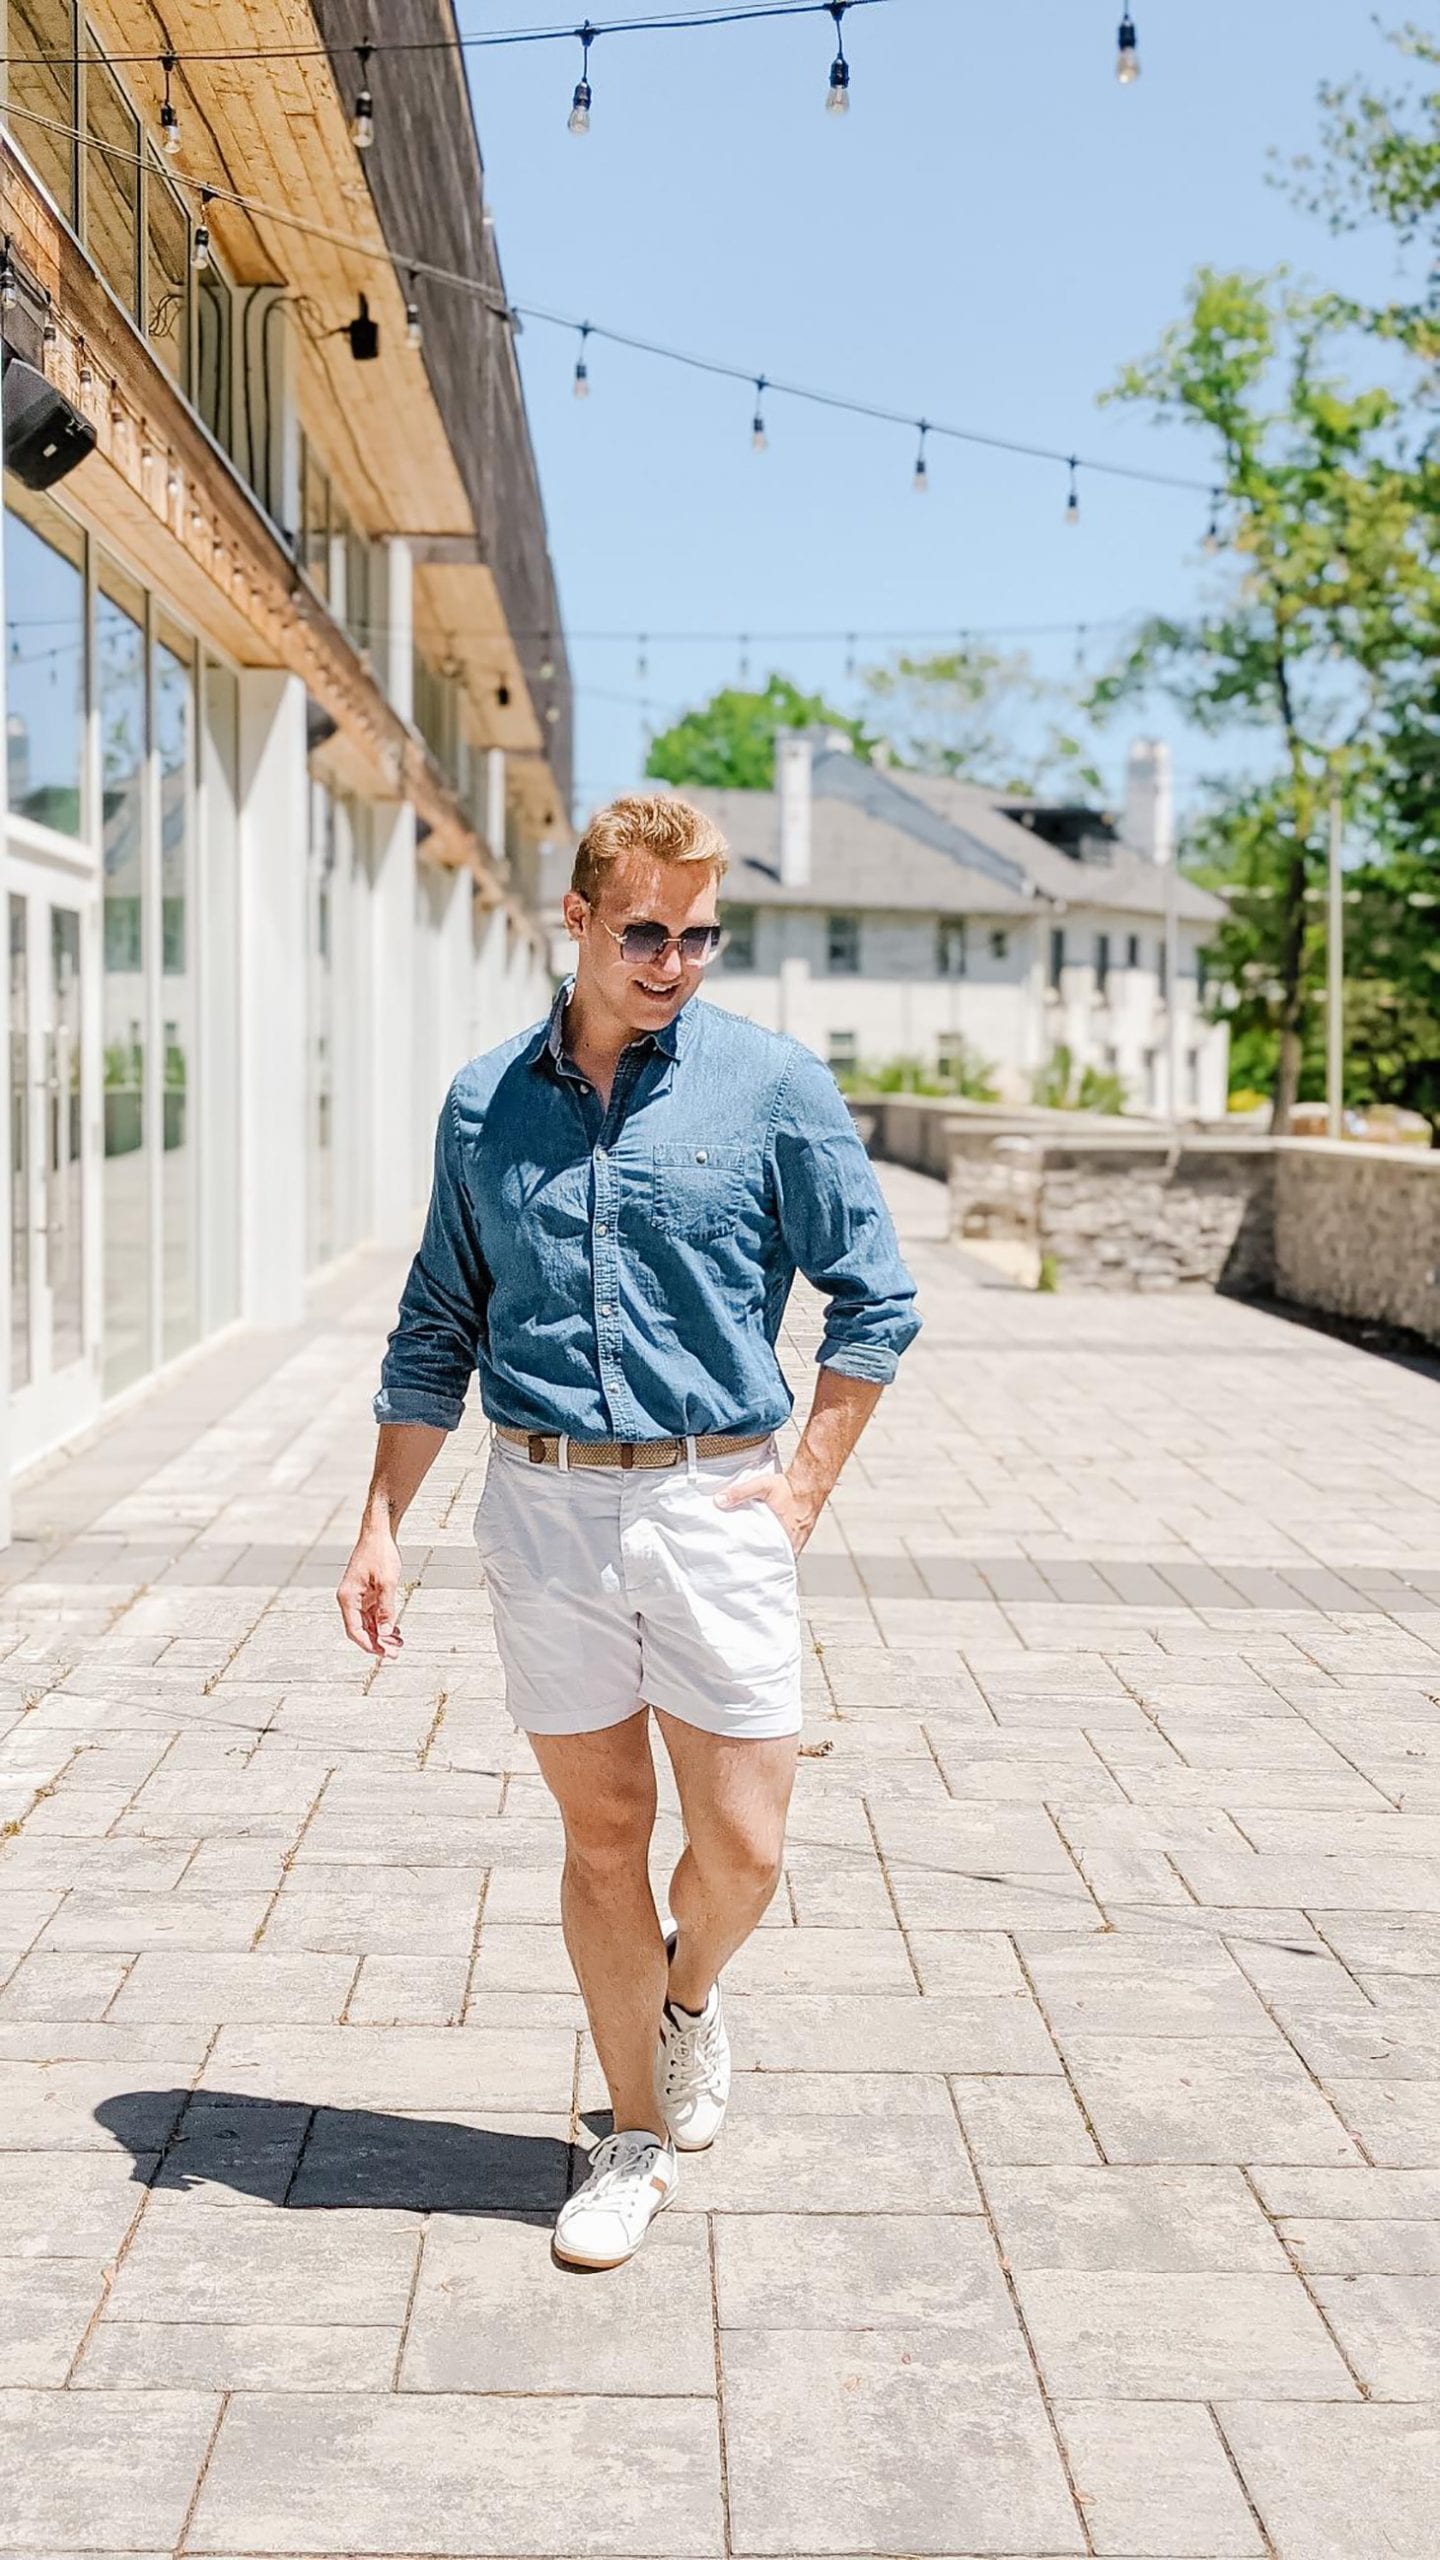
{"x": 876, "y": 913}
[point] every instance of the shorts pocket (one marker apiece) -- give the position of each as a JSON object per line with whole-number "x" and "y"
{"x": 697, "y": 1191}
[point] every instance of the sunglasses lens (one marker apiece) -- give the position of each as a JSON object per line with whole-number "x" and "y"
{"x": 643, "y": 941}
{"x": 700, "y": 942}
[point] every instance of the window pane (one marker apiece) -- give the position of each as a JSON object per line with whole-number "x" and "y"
{"x": 212, "y": 352}
{"x": 174, "y": 755}
{"x": 315, "y": 539}
{"x": 739, "y": 952}
{"x": 64, "y": 1178}
{"x": 167, "y": 277}
{"x": 112, "y": 185}
{"x": 35, "y": 29}
{"x": 45, "y": 652}
{"x": 120, "y": 674}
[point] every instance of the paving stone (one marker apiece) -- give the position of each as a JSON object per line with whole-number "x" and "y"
{"x": 49, "y": 2303}
{"x": 197, "y": 2355}
{"x": 100, "y": 2471}
{"x": 1179, "y": 2337}
{"x": 788, "y": 2032}
{"x": 1337, "y": 2483}
{"x": 1234, "y": 2099}
{"x": 1155, "y": 2478}
{"x": 453, "y": 2473}
{"x": 408, "y": 2067}
{"x": 255, "y": 2264}
{"x": 493, "y": 2311}
{"x": 1387, "y": 2323}
{"x": 1166, "y": 1985}
{"x": 913, "y": 2440}
{"x": 885, "y": 2269}
{"x": 1398, "y": 2121}
{"x": 418, "y": 2163}
{"x": 1132, "y": 2220}
{"x": 266, "y": 1987}
{"x": 1023, "y": 2121}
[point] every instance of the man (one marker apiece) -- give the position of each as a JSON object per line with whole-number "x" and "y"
{"x": 622, "y": 1198}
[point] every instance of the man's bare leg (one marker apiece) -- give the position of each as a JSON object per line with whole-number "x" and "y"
{"x": 604, "y": 1784}
{"x": 734, "y": 1797}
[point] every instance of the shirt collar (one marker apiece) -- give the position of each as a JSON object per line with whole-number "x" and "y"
{"x": 667, "y": 1040}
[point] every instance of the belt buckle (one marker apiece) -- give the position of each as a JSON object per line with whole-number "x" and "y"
{"x": 535, "y": 1448}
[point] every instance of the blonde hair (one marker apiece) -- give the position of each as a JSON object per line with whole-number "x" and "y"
{"x": 652, "y": 823}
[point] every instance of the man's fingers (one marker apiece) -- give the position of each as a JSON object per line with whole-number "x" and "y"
{"x": 750, "y": 1489}
{"x": 353, "y": 1614}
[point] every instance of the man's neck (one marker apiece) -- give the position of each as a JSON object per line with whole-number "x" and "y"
{"x": 593, "y": 1037}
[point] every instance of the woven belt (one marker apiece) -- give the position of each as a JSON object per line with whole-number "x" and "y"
{"x": 543, "y": 1448}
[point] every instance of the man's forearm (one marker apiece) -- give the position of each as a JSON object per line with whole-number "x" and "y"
{"x": 838, "y": 1415}
{"x": 404, "y": 1454}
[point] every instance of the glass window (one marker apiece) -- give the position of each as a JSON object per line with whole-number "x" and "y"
{"x": 112, "y": 184}
{"x": 999, "y": 946}
{"x": 358, "y": 585}
{"x": 1057, "y": 954}
{"x": 315, "y": 518}
{"x": 39, "y": 76}
{"x": 739, "y": 951}
{"x": 214, "y": 322}
{"x": 1162, "y": 966}
{"x": 950, "y": 947}
{"x": 842, "y": 946}
{"x": 320, "y": 1242}
{"x": 167, "y": 277}
{"x": 174, "y": 756}
{"x": 840, "y": 1054}
{"x": 1102, "y": 963}
{"x": 1202, "y": 976}
{"x": 1132, "y": 951}
{"x": 64, "y": 1173}
{"x": 120, "y": 680}
{"x": 45, "y": 653}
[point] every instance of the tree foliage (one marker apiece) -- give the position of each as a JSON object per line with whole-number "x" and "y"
{"x": 965, "y": 712}
{"x": 728, "y": 743}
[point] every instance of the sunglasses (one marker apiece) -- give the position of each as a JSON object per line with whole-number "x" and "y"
{"x": 644, "y": 944}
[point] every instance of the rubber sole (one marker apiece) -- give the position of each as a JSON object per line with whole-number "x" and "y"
{"x": 570, "y": 2258}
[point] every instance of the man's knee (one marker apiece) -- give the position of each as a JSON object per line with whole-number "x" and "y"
{"x": 748, "y": 1855}
{"x": 610, "y": 1829}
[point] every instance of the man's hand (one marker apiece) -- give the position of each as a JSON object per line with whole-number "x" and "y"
{"x": 367, "y": 1593}
{"x": 791, "y": 1505}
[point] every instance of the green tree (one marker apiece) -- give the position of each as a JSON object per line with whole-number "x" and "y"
{"x": 728, "y": 744}
{"x": 1330, "y": 593}
{"x": 963, "y": 712}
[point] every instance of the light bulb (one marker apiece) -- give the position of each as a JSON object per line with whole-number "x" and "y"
{"x": 1127, "y": 60}
{"x": 413, "y": 332}
{"x": 169, "y": 129}
{"x": 1072, "y": 502}
{"x": 85, "y": 378}
{"x": 582, "y": 379}
{"x": 200, "y": 245}
{"x": 362, "y": 122}
{"x": 578, "y": 120}
{"x": 9, "y": 290}
{"x": 757, "y": 424}
{"x": 922, "y": 468}
{"x": 837, "y": 100}
{"x": 547, "y": 666}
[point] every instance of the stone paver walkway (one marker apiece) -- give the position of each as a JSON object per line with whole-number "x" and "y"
{"x": 1082, "y": 2188}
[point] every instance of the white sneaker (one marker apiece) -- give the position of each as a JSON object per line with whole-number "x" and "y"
{"x": 692, "y": 2070}
{"x": 632, "y": 2178}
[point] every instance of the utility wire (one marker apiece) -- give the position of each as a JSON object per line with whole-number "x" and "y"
{"x": 405, "y": 263}
{"x": 665, "y": 22}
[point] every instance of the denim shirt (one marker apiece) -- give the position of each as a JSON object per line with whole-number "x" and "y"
{"x": 621, "y": 1273}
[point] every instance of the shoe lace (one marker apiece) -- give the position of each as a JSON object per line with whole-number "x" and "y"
{"x": 692, "y": 2050}
{"x": 615, "y": 2161}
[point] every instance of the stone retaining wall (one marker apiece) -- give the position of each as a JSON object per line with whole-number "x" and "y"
{"x": 1350, "y": 1231}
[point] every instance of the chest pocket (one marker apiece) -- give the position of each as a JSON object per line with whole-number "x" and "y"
{"x": 697, "y": 1191}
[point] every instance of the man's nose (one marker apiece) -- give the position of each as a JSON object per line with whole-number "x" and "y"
{"x": 671, "y": 963}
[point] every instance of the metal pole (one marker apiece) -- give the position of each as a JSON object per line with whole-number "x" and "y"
{"x": 1335, "y": 983}
{"x": 1172, "y": 986}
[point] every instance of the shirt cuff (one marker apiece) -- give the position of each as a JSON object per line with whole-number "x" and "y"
{"x": 872, "y": 1363}
{"x": 417, "y": 1404}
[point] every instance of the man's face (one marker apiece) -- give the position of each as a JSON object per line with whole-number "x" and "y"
{"x": 643, "y": 995}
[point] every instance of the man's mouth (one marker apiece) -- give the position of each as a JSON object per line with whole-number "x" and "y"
{"x": 660, "y": 994}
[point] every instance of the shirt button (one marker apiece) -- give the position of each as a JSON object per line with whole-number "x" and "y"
{"x": 607, "y": 1311}
{"x": 701, "y": 1156}
{"x": 602, "y": 1153}
{"x": 602, "y": 1227}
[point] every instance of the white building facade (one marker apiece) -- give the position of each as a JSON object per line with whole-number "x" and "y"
{"x": 880, "y": 916}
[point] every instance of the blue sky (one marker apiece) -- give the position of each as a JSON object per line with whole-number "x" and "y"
{"x": 991, "y": 232}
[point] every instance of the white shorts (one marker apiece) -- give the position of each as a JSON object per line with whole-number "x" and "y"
{"x": 616, "y": 1589}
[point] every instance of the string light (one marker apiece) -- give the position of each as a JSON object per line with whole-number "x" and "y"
{"x": 922, "y": 470}
{"x": 49, "y": 333}
{"x": 758, "y": 437}
{"x": 172, "y": 478}
{"x": 169, "y": 113}
{"x": 117, "y": 410}
{"x": 1072, "y": 502}
{"x": 1212, "y": 530}
{"x": 1127, "y": 60}
{"x": 200, "y": 245}
{"x": 84, "y": 375}
{"x": 837, "y": 102}
{"x": 547, "y": 661}
{"x": 578, "y": 120}
{"x": 582, "y": 370}
{"x": 9, "y": 288}
{"x": 362, "y": 122}
{"x": 413, "y": 330}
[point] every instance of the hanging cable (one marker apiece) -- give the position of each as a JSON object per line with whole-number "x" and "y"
{"x": 837, "y": 102}
{"x": 578, "y": 120}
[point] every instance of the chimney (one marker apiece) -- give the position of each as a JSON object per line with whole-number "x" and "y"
{"x": 794, "y": 754}
{"x": 1148, "y": 826}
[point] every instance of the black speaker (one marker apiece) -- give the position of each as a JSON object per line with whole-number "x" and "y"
{"x": 44, "y": 436}
{"x": 363, "y": 334}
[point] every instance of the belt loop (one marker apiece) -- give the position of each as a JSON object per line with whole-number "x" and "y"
{"x": 562, "y": 1453}
{"x": 536, "y": 1449}
{"x": 692, "y": 1466}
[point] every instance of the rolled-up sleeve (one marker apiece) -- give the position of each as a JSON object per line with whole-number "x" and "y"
{"x": 837, "y": 1228}
{"x": 430, "y": 1357}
